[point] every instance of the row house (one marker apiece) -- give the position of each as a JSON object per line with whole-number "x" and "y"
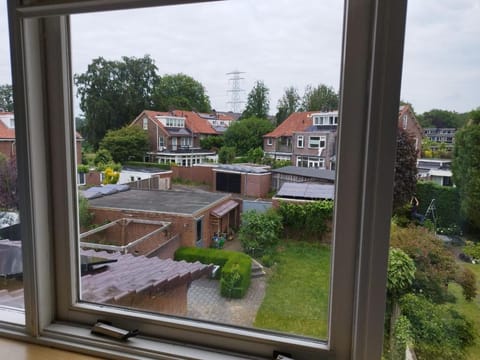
{"x": 442, "y": 136}
{"x": 309, "y": 139}
{"x": 175, "y": 136}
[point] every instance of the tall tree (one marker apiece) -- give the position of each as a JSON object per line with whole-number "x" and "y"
{"x": 8, "y": 183}
{"x": 320, "y": 98}
{"x": 466, "y": 169}
{"x": 405, "y": 169}
{"x": 112, "y": 93}
{"x": 258, "y": 102}
{"x": 247, "y": 134}
{"x": 288, "y": 104}
{"x": 6, "y": 97}
{"x": 129, "y": 143}
{"x": 442, "y": 119}
{"x": 180, "y": 92}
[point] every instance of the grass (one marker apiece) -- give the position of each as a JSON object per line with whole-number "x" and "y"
{"x": 471, "y": 309}
{"x": 296, "y": 299}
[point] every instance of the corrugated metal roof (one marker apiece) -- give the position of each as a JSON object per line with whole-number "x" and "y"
{"x": 224, "y": 208}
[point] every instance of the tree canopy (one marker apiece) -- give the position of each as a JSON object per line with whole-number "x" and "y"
{"x": 113, "y": 93}
{"x": 180, "y": 92}
{"x": 129, "y": 143}
{"x": 6, "y": 97}
{"x": 288, "y": 104}
{"x": 247, "y": 134}
{"x": 466, "y": 169}
{"x": 320, "y": 98}
{"x": 405, "y": 169}
{"x": 258, "y": 102}
{"x": 442, "y": 119}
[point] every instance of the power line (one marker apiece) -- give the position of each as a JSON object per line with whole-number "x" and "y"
{"x": 236, "y": 91}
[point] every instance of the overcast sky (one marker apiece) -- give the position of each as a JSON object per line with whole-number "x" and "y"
{"x": 283, "y": 43}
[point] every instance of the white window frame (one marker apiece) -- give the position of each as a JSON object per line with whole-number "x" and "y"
{"x": 315, "y": 144}
{"x": 269, "y": 141}
{"x": 370, "y": 87}
{"x": 145, "y": 123}
{"x": 80, "y": 176}
{"x": 300, "y": 141}
{"x": 405, "y": 121}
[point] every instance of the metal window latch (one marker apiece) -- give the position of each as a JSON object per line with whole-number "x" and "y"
{"x": 105, "y": 328}
{"x": 282, "y": 356}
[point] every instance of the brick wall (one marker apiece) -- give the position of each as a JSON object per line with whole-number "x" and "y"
{"x": 199, "y": 174}
{"x": 255, "y": 185}
{"x": 7, "y": 148}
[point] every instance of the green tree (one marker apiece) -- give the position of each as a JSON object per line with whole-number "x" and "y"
{"x": 113, "y": 93}
{"x": 8, "y": 183}
{"x": 400, "y": 275}
{"x": 180, "y": 92}
{"x": 405, "y": 170}
{"x": 247, "y": 134}
{"x": 258, "y": 102}
{"x": 255, "y": 155}
{"x": 466, "y": 170}
{"x": 441, "y": 119}
{"x": 130, "y": 143}
{"x": 6, "y": 97}
{"x": 439, "y": 331}
{"x": 212, "y": 142}
{"x": 288, "y": 104}
{"x": 320, "y": 98}
{"x": 85, "y": 217}
{"x": 259, "y": 232}
{"x": 226, "y": 154}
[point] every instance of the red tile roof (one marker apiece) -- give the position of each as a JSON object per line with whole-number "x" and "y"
{"x": 193, "y": 121}
{"x": 297, "y": 121}
{"x": 6, "y": 133}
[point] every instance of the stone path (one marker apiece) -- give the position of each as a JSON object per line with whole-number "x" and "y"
{"x": 205, "y": 302}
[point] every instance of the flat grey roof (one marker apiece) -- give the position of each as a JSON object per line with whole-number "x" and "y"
{"x": 307, "y": 191}
{"x": 307, "y": 172}
{"x": 165, "y": 201}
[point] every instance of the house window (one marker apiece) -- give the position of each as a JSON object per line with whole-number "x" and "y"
{"x": 300, "y": 141}
{"x": 52, "y": 223}
{"x": 405, "y": 121}
{"x": 186, "y": 142}
{"x": 81, "y": 178}
{"x": 161, "y": 143}
{"x": 145, "y": 123}
{"x": 269, "y": 141}
{"x": 316, "y": 142}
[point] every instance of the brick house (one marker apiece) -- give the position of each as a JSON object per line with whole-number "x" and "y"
{"x": 309, "y": 139}
{"x": 175, "y": 136}
{"x": 408, "y": 122}
{"x": 7, "y": 134}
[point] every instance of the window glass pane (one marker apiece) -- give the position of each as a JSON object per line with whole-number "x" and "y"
{"x": 11, "y": 267}
{"x": 434, "y": 189}
{"x": 211, "y": 89}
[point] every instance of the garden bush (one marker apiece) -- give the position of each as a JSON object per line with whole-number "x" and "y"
{"x": 307, "y": 219}
{"x": 447, "y": 203}
{"x": 234, "y": 272}
{"x": 259, "y": 232}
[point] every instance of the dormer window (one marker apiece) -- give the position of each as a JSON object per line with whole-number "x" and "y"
{"x": 324, "y": 119}
{"x": 172, "y": 121}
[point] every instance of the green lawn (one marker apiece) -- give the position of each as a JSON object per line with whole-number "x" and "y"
{"x": 470, "y": 309}
{"x": 296, "y": 299}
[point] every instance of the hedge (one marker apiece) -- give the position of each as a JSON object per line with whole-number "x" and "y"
{"x": 235, "y": 268}
{"x": 447, "y": 203}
